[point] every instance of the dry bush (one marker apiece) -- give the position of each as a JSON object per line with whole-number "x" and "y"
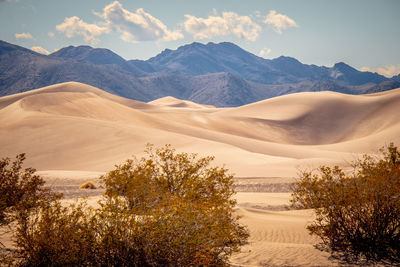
{"x": 21, "y": 192}
{"x": 167, "y": 209}
{"x": 53, "y": 235}
{"x": 182, "y": 206}
{"x": 88, "y": 185}
{"x": 20, "y": 188}
{"x": 357, "y": 214}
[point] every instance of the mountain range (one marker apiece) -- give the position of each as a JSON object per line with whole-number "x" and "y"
{"x": 220, "y": 74}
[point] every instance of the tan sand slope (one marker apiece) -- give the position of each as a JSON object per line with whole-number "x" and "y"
{"x": 73, "y": 132}
{"x": 73, "y": 126}
{"x": 170, "y": 101}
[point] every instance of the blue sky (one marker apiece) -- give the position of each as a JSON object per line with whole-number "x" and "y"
{"x": 363, "y": 33}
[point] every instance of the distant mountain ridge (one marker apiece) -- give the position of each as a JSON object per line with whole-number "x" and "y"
{"x": 215, "y": 74}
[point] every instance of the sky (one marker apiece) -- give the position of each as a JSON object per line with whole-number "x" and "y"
{"x": 362, "y": 33}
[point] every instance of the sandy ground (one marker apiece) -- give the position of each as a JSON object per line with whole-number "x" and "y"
{"x": 277, "y": 236}
{"x": 73, "y": 133}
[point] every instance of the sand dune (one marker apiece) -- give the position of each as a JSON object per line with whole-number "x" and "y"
{"x": 72, "y": 131}
{"x": 279, "y": 239}
{"x": 170, "y": 101}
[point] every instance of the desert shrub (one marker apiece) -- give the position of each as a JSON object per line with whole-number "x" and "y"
{"x": 357, "y": 213}
{"x": 182, "y": 206}
{"x": 88, "y": 185}
{"x": 55, "y": 235}
{"x": 21, "y": 192}
{"x": 166, "y": 209}
{"x": 20, "y": 189}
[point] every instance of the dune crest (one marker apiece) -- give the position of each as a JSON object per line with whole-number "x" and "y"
{"x": 173, "y": 102}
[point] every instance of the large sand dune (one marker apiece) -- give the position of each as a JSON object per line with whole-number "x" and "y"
{"x": 75, "y": 128}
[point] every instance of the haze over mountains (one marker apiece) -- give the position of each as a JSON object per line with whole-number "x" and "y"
{"x": 221, "y": 74}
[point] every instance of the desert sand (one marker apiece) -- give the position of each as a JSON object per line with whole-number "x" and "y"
{"x": 73, "y": 133}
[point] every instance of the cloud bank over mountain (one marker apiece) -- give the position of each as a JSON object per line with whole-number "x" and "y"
{"x": 228, "y": 23}
{"x": 141, "y": 26}
{"x": 279, "y": 21}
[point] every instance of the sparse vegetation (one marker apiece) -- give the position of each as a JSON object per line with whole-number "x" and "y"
{"x": 21, "y": 192}
{"x": 357, "y": 214}
{"x": 185, "y": 200}
{"x": 166, "y": 209}
{"x": 55, "y": 235}
{"x": 20, "y": 189}
{"x": 88, "y": 185}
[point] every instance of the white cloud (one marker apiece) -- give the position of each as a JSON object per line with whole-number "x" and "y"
{"x": 229, "y": 23}
{"x": 24, "y": 35}
{"x": 257, "y": 14}
{"x": 133, "y": 26}
{"x": 264, "y": 52}
{"x": 137, "y": 26}
{"x": 279, "y": 21}
{"x": 75, "y": 26}
{"x": 51, "y": 34}
{"x": 366, "y": 69}
{"x": 40, "y": 50}
{"x": 388, "y": 71}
